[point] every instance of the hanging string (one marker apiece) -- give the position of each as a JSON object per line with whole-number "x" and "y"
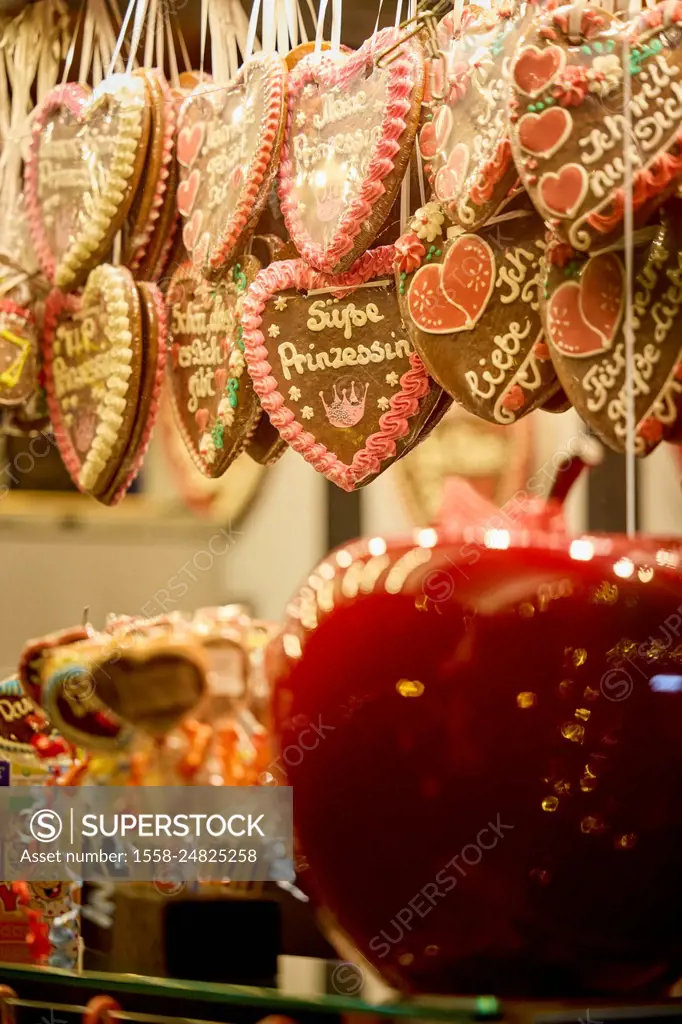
{"x": 251, "y": 40}
{"x": 121, "y": 36}
{"x": 628, "y": 331}
{"x": 204, "y": 28}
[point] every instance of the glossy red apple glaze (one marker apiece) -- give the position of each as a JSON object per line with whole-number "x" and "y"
{"x": 524, "y": 715}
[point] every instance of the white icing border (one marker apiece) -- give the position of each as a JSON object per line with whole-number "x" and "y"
{"x": 131, "y": 96}
{"x": 106, "y": 282}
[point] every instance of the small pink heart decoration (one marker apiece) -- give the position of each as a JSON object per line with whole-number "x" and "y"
{"x": 229, "y": 142}
{"x": 464, "y": 138}
{"x": 351, "y": 125}
{"x": 201, "y": 416}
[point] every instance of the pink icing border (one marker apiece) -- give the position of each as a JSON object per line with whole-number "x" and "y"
{"x": 74, "y": 98}
{"x": 162, "y": 344}
{"x": 169, "y": 117}
{"x": 264, "y": 160}
{"x": 414, "y": 384}
{"x": 404, "y": 74}
{"x": 55, "y": 304}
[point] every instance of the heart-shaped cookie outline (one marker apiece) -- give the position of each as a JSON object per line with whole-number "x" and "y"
{"x": 438, "y": 130}
{"x": 534, "y": 52}
{"x": 452, "y": 253}
{"x": 406, "y": 80}
{"x": 458, "y": 155}
{"x": 106, "y": 279}
{"x": 263, "y": 164}
{"x": 535, "y": 122}
{"x": 188, "y": 272}
{"x": 404, "y": 404}
{"x": 551, "y": 178}
{"x": 570, "y": 288}
{"x": 93, "y": 240}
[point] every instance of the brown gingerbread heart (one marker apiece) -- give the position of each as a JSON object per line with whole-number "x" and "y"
{"x": 86, "y": 157}
{"x": 583, "y": 311}
{"x": 332, "y": 365}
{"x": 228, "y": 147}
{"x": 213, "y": 399}
{"x": 464, "y": 137}
{"x": 471, "y": 305}
{"x": 150, "y": 199}
{"x": 568, "y": 123}
{"x": 350, "y": 130}
{"x": 92, "y": 352}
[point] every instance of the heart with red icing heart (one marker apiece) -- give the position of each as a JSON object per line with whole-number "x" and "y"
{"x": 583, "y": 313}
{"x": 470, "y": 304}
{"x": 87, "y": 153}
{"x": 451, "y": 296}
{"x": 333, "y": 369}
{"x": 449, "y": 179}
{"x": 229, "y": 141}
{"x": 535, "y": 69}
{"x": 582, "y": 318}
{"x": 568, "y": 78}
{"x": 464, "y": 138}
{"x": 435, "y": 133}
{"x": 351, "y": 126}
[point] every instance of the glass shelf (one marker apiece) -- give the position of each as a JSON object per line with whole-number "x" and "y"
{"x": 40, "y": 981}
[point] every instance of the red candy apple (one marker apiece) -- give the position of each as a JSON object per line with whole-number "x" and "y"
{"x": 483, "y": 728}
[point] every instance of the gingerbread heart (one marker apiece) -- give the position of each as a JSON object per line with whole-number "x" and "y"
{"x": 86, "y": 157}
{"x": 583, "y": 312}
{"x": 154, "y": 344}
{"x": 92, "y": 351}
{"x": 464, "y": 138}
{"x": 151, "y": 198}
{"x": 213, "y": 399}
{"x": 229, "y": 141}
{"x": 350, "y": 130}
{"x": 332, "y": 366}
{"x": 471, "y": 305}
{"x": 568, "y": 123}
{"x": 18, "y": 353}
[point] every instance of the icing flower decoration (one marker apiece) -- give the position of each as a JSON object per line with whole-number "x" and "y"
{"x": 225, "y": 412}
{"x": 459, "y": 81}
{"x": 207, "y": 447}
{"x": 236, "y": 362}
{"x": 606, "y": 74}
{"x": 307, "y": 412}
{"x": 427, "y": 221}
{"x": 410, "y": 252}
{"x": 514, "y": 399}
{"x": 558, "y": 253}
{"x": 541, "y": 351}
{"x": 572, "y": 87}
